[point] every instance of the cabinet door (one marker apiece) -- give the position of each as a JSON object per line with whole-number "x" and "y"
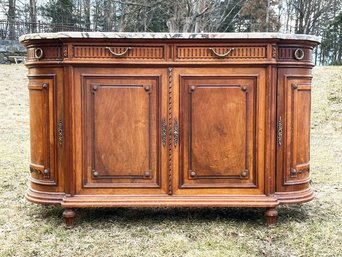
{"x": 42, "y": 132}
{"x": 123, "y": 127}
{"x": 294, "y": 97}
{"x": 221, "y": 120}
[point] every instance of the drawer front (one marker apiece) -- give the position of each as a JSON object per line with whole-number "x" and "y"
{"x": 119, "y": 52}
{"x": 219, "y": 52}
{"x": 295, "y": 54}
{"x": 45, "y": 53}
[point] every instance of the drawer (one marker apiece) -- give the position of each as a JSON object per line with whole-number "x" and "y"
{"x": 114, "y": 52}
{"x": 295, "y": 53}
{"x": 219, "y": 52}
{"x": 45, "y": 53}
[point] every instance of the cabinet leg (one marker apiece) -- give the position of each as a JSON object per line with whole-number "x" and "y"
{"x": 69, "y": 218}
{"x": 271, "y": 217}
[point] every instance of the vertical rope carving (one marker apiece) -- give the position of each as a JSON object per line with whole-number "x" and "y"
{"x": 170, "y": 132}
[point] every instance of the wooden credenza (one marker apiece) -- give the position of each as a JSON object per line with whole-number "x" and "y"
{"x": 143, "y": 120}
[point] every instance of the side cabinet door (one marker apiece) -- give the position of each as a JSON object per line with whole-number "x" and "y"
{"x": 42, "y": 132}
{"x": 122, "y": 128}
{"x": 294, "y": 98}
{"x": 221, "y": 118}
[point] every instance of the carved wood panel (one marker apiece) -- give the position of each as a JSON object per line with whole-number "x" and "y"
{"x": 218, "y": 125}
{"x": 219, "y": 52}
{"x": 297, "y": 130}
{"x": 119, "y": 52}
{"x": 42, "y": 129}
{"x": 122, "y": 123}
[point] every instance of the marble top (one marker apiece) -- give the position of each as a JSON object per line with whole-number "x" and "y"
{"x": 144, "y": 35}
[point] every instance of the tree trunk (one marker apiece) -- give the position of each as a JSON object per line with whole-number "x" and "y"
{"x": 87, "y": 14}
{"x": 267, "y": 16}
{"x": 33, "y": 16}
{"x": 11, "y": 19}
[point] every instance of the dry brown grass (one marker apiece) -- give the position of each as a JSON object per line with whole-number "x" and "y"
{"x": 312, "y": 229}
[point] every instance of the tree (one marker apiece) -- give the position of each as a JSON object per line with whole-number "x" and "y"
{"x": 33, "y": 16}
{"x": 331, "y": 48}
{"x": 11, "y": 19}
{"x": 59, "y": 12}
{"x": 259, "y": 15}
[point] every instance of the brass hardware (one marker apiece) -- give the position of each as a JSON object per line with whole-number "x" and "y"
{"x": 45, "y": 172}
{"x": 147, "y": 173}
{"x": 244, "y": 88}
{"x": 45, "y": 85}
{"x": 221, "y": 55}
{"x": 192, "y": 88}
{"x": 95, "y": 87}
{"x": 38, "y": 53}
{"x": 95, "y": 173}
{"x": 244, "y": 173}
{"x": 147, "y": 88}
{"x": 163, "y": 132}
{"x": 293, "y": 172}
{"x": 118, "y": 54}
{"x": 35, "y": 170}
{"x": 299, "y": 54}
{"x": 193, "y": 173}
{"x": 294, "y": 86}
{"x": 175, "y": 132}
{"x": 60, "y": 131}
{"x": 280, "y": 131}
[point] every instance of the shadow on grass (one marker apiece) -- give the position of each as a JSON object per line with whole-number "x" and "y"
{"x": 123, "y": 216}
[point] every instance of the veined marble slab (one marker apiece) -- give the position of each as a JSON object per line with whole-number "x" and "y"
{"x": 144, "y": 35}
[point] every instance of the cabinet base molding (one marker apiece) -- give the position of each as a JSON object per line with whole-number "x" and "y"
{"x": 44, "y": 197}
{"x": 84, "y": 201}
{"x": 295, "y": 197}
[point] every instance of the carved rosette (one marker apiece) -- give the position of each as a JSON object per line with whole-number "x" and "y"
{"x": 65, "y": 52}
{"x": 274, "y": 51}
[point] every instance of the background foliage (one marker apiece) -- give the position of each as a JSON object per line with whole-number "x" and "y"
{"x": 318, "y": 17}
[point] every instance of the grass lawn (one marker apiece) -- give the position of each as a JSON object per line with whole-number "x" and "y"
{"x": 311, "y": 229}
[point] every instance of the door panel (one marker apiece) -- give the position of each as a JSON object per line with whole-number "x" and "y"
{"x": 42, "y": 104}
{"x": 122, "y": 122}
{"x": 219, "y": 118}
{"x": 298, "y": 102}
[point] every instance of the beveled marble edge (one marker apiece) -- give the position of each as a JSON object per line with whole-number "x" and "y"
{"x": 144, "y": 35}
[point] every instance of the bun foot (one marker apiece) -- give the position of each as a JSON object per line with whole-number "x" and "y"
{"x": 271, "y": 215}
{"x": 69, "y": 218}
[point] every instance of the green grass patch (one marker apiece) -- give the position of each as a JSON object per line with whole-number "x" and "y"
{"x": 312, "y": 229}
